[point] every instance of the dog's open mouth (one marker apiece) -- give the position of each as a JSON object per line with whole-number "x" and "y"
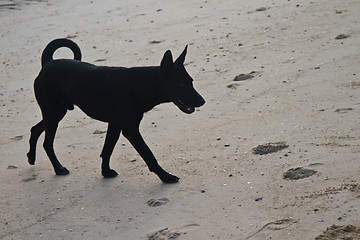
{"x": 183, "y": 107}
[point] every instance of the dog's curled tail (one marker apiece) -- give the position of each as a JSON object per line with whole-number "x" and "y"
{"x": 48, "y": 52}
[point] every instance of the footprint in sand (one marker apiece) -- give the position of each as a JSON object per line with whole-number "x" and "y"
{"x": 274, "y": 226}
{"x": 157, "y": 202}
{"x": 166, "y": 233}
{"x": 17, "y": 138}
{"x": 31, "y": 178}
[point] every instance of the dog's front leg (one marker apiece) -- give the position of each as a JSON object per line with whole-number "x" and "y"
{"x": 133, "y": 135}
{"x": 112, "y": 136}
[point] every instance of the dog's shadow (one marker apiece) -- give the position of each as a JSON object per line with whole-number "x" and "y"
{"x": 111, "y": 186}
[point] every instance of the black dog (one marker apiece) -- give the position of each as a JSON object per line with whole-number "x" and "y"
{"x": 116, "y": 95}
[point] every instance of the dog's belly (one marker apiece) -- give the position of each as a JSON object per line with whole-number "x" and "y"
{"x": 93, "y": 99}
{"x": 98, "y": 112}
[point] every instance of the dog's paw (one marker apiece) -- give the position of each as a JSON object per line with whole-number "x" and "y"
{"x": 168, "y": 178}
{"x": 31, "y": 158}
{"x": 62, "y": 171}
{"x": 109, "y": 174}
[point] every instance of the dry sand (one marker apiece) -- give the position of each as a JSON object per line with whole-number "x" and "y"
{"x": 303, "y": 92}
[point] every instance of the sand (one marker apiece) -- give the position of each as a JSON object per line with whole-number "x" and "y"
{"x": 303, "y": 58}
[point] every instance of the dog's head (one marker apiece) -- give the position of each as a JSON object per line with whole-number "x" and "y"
{"x": 178, "y": 85}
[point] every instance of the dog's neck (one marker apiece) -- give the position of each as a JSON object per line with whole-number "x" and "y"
{"x": 152, "y": 86}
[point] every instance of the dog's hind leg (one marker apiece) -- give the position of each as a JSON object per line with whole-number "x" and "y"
{"x": 112, "y": 136}
{"x": 133, "y": 135}
{"x": 36, "y": 131}
{"x": 51, "y": 124}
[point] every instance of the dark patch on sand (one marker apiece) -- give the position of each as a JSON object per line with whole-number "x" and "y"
{"x": 233, "y": 85}
{"x": 348, "y": 232}
{"x": 244, "y": 76}
{"x": 298, "y": 173}
{"x": 156, "y": 41}
{"x": 343, "y": 110}
{"x": 342, "y": 36}
{"x": 97, "y": 131}
{"x": 269, "y": 148}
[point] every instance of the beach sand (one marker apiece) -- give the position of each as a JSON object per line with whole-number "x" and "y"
{"x": 296, "y": 65}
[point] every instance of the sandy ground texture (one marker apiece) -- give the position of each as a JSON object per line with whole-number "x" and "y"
{"x": 273, "y": 154}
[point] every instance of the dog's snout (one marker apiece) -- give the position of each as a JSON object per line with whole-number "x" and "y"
{"x": 201, "y": 102}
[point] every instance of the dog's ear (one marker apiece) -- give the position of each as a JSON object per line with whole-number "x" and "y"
{"x": 181, "y": 59}
{"x": 167, "y": 60}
